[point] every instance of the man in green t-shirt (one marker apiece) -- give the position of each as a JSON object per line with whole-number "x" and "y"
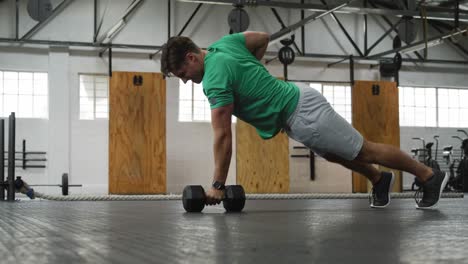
{"x": 236, "y": 83}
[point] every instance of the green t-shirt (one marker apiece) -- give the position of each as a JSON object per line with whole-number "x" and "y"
{"x": 234, "y": 75}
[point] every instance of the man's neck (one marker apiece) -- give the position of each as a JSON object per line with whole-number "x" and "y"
{"x": 203, "y": 54}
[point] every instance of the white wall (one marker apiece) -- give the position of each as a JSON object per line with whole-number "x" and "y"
{"x": 80, "y": 147}
{"x": 59, "y": 154}
{"x": 329, "y": 177}
{"x": 190, "y": 148}
{"x": 34, "y": 131}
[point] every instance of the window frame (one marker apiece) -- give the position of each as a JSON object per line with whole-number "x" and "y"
{"x": 347, "y": 86}
{"x": 192, "y": 105}
{"x": 94, "y": 117}
{"x": 33, "y": 95}
{"x": 437, "y": 102}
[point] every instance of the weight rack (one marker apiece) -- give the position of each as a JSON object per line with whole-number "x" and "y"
{"x": 9, "y": 184}
{"x": 25, "y": 159}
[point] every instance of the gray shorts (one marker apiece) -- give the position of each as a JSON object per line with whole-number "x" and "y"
{"x": 315, "y": 124}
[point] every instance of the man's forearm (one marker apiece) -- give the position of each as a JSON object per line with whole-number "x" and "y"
{"x": 260, "y": 51}
{"x": 222, "y": 155}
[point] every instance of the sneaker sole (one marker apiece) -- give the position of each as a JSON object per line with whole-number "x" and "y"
{"x": 442, "y": 187}
{"x": 389, "y": 190}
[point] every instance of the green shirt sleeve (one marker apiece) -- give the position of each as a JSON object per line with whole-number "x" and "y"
{"x": 218, "y": 82}
{"x": 221, "y": 75}
{"x": 237, "y": 38}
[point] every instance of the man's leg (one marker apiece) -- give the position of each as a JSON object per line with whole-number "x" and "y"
{"x": 392, "y": 157}
{"x": 433, "y": 180}
{"x": 368, "y": 170}
{"x": 382, "y": 181}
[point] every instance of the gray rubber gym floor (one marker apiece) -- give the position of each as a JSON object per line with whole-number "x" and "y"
{"x": 288, "y": 231}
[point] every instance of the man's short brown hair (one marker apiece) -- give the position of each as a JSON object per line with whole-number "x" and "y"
{"x": 173, "y": 53}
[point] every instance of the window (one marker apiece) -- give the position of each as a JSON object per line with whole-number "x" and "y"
{"x": 418, "y": 107}
{"x": 453, "y": 108}
{"x": 339, "y": 96}
{"x": 25, "y": 93}
{"x": 433, "y": 107}
{"x": 193, "y": 105}
{"x": 94, "y": 96}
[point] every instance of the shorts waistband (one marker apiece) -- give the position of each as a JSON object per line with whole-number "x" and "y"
{"x": 293, "y": 116}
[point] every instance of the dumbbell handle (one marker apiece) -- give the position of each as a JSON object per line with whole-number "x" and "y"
{"x": 234, "y": 198}
{"x": 194, "y": 198}
{"x": 222, "y": 199}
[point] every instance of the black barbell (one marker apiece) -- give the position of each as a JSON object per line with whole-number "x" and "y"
{"x": 19, "y": 184}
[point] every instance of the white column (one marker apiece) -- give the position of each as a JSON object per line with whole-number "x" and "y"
{"x": 59, "y": 116}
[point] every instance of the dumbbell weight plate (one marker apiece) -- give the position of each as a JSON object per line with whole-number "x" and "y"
{"x": 65, "y": 184}
{"x": 238, "y": 20}
{"x": 234, "y": 200}
{"x": 193, "y": 198}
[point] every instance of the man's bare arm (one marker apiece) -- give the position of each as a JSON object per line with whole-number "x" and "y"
{"x": 221, "y": 122}
{"x": 257, "y": 43}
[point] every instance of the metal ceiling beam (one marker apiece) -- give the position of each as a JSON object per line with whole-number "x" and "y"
{"x": 350, "y": 39}
{"x": 366, "y": 60}
{"x": 283, "y": 26}
{"x": 455, "y": 45}
{"x": 17, "y": 19}
{"x": 365, "y": 31}
{"x": 414, "y": 45}
{"x": 41, "y": 24}
{"x": 444, "y": 25}
{"x": 303, "y": 31}
{"x": 290, "y": 29}
{"x": 168, "y": 19}
{"x": 147, "y": 47}
{"x": 389, "y": 23}
{"x": 151, "y": 56}
{"x": 452, "y": 3}
{"x": 384, "y": 35}
{"x": 95, "y": 21}
{"x": 189, "y": 20}
{"x": 448, "y": 15}
{"x": 115, "y": 30}
{"x": 333, "y": 56}
{"x": 97, "y": 28}
{"x": 77, "y": 44}
{"x": 399, "y": 4}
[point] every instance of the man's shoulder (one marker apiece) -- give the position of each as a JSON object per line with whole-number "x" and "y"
{"x": 237, "y": 39}
{"x": 219, "y": 55}
{"x": 217, "y": 58}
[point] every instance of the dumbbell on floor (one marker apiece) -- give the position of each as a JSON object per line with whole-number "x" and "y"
{"x": 193, "y": 198}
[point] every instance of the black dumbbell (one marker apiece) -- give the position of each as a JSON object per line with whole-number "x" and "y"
{"x": 193, "y": 198}
{"x": 234, "y": 198}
